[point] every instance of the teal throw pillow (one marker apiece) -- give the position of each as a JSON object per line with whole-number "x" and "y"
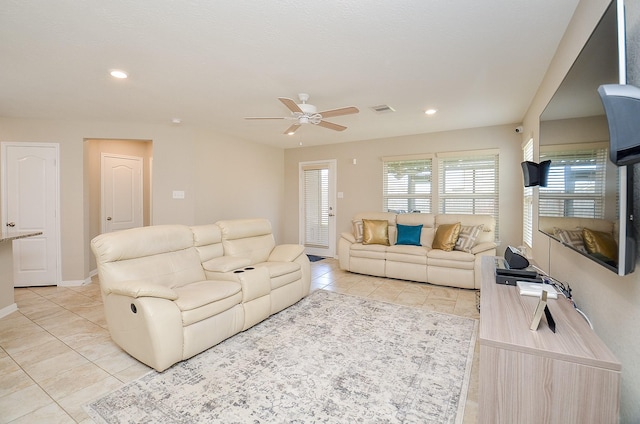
{"x": 409, "y": 234}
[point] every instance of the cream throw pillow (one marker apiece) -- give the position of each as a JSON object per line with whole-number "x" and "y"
{"x": 467, "y": 237}
{"x": 571, "y": 238}
{"x": 357, "y": 230}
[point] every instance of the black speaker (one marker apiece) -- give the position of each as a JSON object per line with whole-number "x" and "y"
{"x": 514, "y": 259}
{"x": 535, "y": 173}
{"x": 543, "y": 172}
{"x": 530, "y": 173}
{"x": 622, "y": 107}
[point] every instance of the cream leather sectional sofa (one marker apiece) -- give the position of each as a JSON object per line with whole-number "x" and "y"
{"x": 172, "y": 291}
{"x": 457, "y": 268}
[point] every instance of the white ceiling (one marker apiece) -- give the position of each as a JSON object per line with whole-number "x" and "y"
{"x": 211, "y": 63}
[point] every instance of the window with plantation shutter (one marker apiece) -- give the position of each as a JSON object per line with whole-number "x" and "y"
{"x": 468, "y": 183}
{"x": 316, "y": 204}
{"x": 527, "y": 207}
{"x": 576, "y": 183}
{"x": 407, "y": 184}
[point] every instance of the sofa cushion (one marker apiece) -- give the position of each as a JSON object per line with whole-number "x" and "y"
{"x": 467, "y": 237}
{"x": 452, "y": 259}
{"x": 488, "y": 224}
{"x": 571, "y": 238}
{"x": 407, "y": 254}
{"x": 409, "y": 234}
{"x": 282, "y": 273}
{"x": 170, "y": 269}
{"x": 250, "y": 238}
{"x": 446, "y": 236}
{"x": 371, "y": 251}
{"x": 204, "y": 299}
{"x": 357, "y": 230}
{"x": 599, "y": 242}
{"x": 208, "y": 241}
{"x": 226, "y": 263}
{"x": 198, "y": 294}
{"x": 375, "y": 231}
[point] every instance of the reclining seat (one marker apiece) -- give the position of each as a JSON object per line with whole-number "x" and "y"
{"x": 369, "y": 259}
{"x": 463, "y": 267}
{"x": 159, "y": 306}
{"x": 255, "y": 282}
{"x": 288, "y": 266}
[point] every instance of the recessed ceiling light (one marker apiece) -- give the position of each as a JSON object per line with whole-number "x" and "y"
{"x": 118, "y": 74}
{"x": 430, "y": 111}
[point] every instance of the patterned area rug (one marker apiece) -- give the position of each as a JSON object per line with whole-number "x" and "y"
{"x": 330, "y": 358}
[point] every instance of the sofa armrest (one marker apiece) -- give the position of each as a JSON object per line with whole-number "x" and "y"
{"x": 348, "y": 236}
{"x": 137, "y": 289}
{"x": 226, "y": 263}
{"x": 286, "y": 253}
{"x": 483, "y": 247}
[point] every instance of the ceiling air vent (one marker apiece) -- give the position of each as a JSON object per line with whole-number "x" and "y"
{"x": 382, "y": 109}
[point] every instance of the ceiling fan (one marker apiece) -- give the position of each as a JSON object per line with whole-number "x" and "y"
{"x": 304, "y": 113}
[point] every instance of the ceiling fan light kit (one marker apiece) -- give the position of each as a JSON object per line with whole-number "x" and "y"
{"x": 305, "y": 113}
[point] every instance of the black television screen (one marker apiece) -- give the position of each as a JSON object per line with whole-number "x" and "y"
{"x": 585, "y": 190}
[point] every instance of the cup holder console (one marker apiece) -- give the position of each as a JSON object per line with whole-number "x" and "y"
{"x": 238, "y": 271}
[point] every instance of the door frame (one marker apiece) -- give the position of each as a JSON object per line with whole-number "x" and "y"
{"x": 4, "y": 145}
{"x": 332, "y": 166}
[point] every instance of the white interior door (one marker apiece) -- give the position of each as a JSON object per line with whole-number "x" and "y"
{"x": 31, "y": 203}
{"x": 318, "y": 207}
{"x": 121, "y": 192}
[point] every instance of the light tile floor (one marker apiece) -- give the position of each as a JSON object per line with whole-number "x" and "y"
{"x": 56, "y": 354}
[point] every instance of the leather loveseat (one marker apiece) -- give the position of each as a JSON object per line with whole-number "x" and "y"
{"x": 419, "y": 260}
{"x": 172, "y": 291}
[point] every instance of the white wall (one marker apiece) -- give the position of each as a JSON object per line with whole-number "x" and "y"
{"x": 202, "y": 163}
{"x": 611, "y": 302}
{"x": 362, "y": 183}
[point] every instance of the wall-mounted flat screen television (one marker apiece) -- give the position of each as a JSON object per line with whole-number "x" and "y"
{"x": 587, "y": 203}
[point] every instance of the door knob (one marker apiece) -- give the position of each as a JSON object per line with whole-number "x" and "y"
{"x": 11, "y": 224}
{"x": 108, "y": 218}
{"x": 331, "y": 214}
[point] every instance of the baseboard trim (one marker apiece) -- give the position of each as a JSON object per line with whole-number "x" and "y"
{"x": 7, "y": 310}
{"x": 74, "y": 283}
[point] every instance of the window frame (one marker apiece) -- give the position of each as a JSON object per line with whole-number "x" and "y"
{"x": 527, "y": 199}
{"x": 570, "y": 198}
{"x": 395, "y": 193}
{"x": 481, "y": 180}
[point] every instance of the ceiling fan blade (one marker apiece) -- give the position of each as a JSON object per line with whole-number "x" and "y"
{"x": 261, "y": 117}
{"x": 293, "y": 128}
{"x": 339, "y": 112}
{"x": 290, "y": 104}
{"x": 331, "y": 126}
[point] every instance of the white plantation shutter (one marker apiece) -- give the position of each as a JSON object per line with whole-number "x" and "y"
{"x": 316, "y": 204}
{"x": 406, "y": 184}
{"x": 527, "y": 207}
{"x": 468, "y": 183}
{"x": 576, "y": 183}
